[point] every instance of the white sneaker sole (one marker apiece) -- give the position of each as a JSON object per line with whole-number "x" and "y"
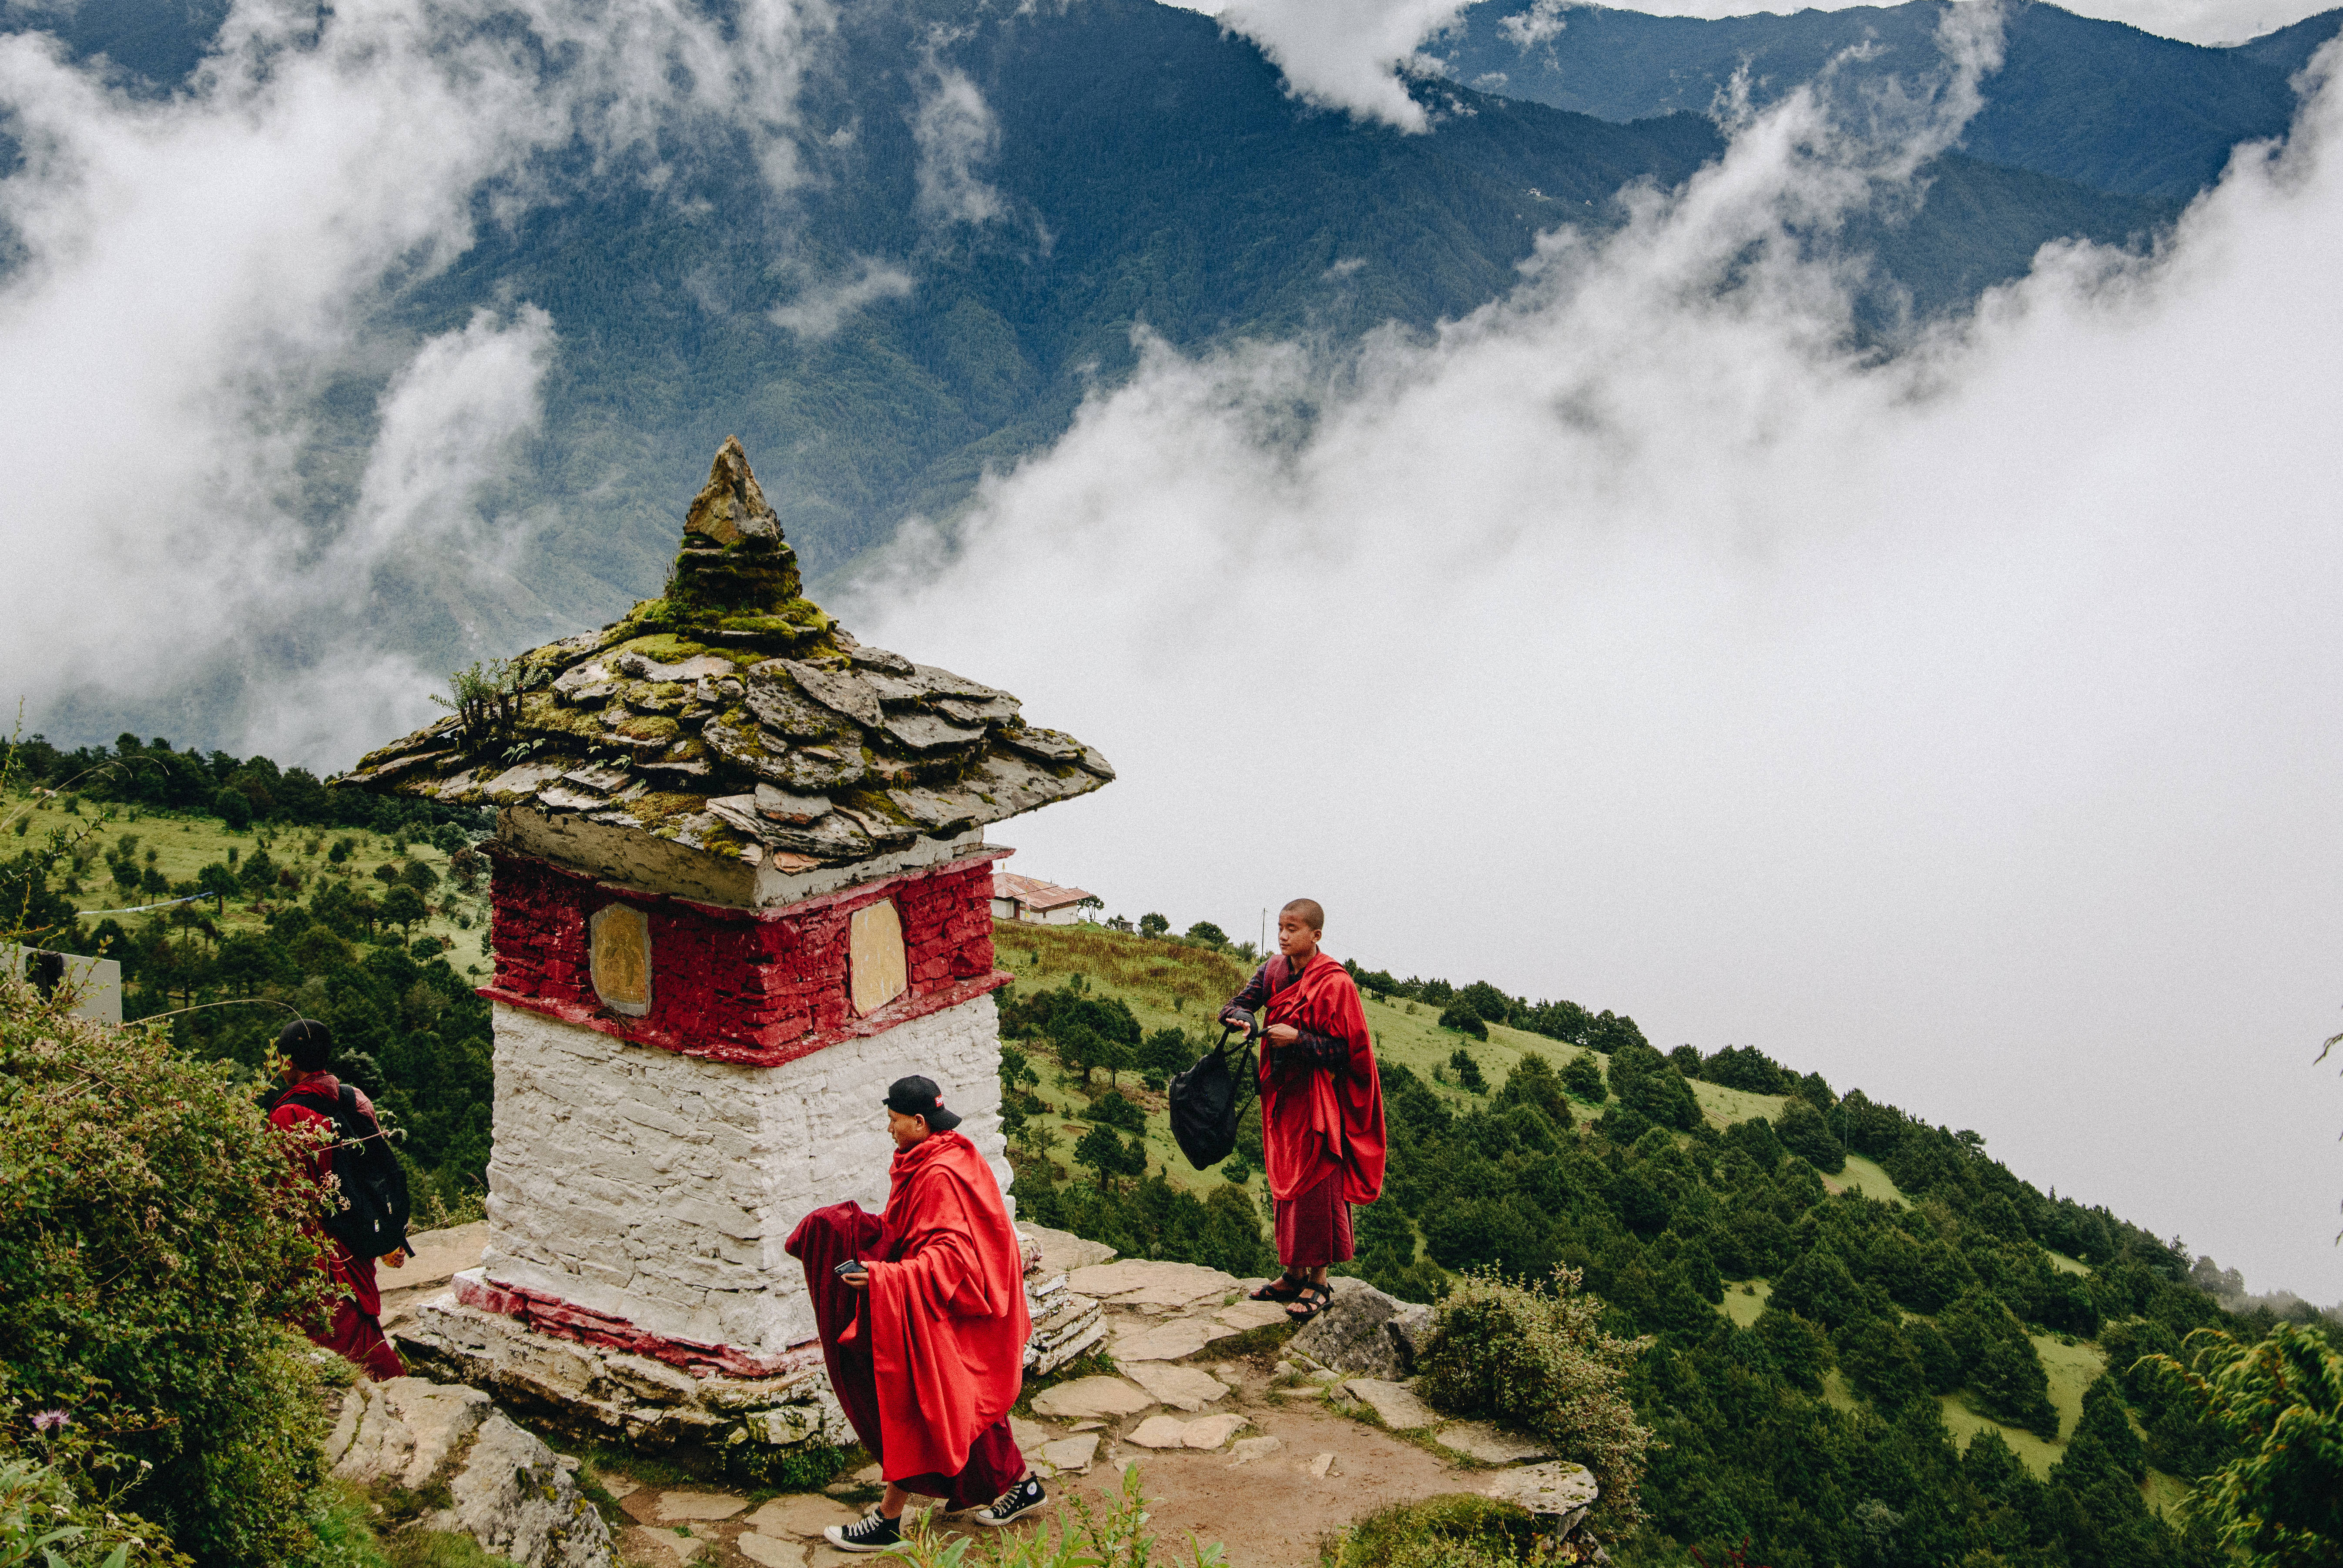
{"x": 1033, "y": 1507}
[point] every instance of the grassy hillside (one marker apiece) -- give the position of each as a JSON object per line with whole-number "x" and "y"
{"x": 179, "y": 845}
{"x": 1900, "y": 1328}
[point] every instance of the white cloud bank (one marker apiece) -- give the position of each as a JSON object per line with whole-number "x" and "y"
{"x": 195, "y": 270}
{"x": 1963, "y": 726}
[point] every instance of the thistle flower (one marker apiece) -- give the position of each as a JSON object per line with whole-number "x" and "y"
{"x": 50, "y": 1421}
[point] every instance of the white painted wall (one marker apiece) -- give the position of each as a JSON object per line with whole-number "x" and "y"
{"x": 660, "y": 1188}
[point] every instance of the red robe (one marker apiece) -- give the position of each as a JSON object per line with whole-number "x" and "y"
{"x": 948, "y": 1322}
{"x": 1314, "y": 1122}
{"x": 356, "y": 1333}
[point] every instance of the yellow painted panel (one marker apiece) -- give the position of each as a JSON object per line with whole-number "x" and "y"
{"x": 619, "y": 949}
{"x": 875, "y": 941}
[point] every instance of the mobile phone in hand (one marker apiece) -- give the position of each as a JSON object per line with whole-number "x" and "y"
{"x": 848, "y": 1266}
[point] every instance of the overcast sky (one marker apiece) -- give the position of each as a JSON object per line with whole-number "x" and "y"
{"x": 1962, "y": 726}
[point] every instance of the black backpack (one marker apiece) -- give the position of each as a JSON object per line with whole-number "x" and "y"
{"x": 371, "y": 1219}
{"x": 1205, "y": 1099}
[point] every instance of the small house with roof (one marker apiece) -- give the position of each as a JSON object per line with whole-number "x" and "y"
{"x": 740, "y": 883}
{"x": 1036, "y": 902}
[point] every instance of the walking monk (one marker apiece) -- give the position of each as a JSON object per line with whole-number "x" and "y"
{"x": 923, "y": 1324}
{"x": 1322, "y": 1105}
{"x": 356, "y": 1333}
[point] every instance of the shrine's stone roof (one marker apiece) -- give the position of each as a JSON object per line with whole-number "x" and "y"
{"x": 731, "y": 714}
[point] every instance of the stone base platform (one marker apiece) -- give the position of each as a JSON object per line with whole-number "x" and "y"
{"x": 598, "y": 1390}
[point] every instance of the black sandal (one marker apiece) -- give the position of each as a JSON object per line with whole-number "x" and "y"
{"x": 1285, "y": 1288}
{"x": 1311, "y": 1300}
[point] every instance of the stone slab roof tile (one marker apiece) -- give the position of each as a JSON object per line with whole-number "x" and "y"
{"x": 733, "y": 714}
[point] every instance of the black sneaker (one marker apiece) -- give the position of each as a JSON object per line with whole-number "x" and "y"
{"x": 1014, "y": 1504}
{"x": 874, "y": 1532}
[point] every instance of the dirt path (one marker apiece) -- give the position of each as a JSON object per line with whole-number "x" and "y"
{"x": 1269, "y": 1509}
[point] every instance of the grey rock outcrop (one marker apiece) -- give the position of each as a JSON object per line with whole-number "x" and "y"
{"x": 1365, "y": 1331}
{"x": 506, "y": 1489}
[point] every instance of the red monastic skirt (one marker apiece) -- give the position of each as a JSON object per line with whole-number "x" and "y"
{"x": 841, "y": 1231}
{"x": 1313, "y": 1227}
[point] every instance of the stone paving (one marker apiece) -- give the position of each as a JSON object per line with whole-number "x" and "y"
{"x": 1267, "y": 1452}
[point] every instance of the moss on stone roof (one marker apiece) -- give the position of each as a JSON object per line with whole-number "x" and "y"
{"x": 731, "y": 714}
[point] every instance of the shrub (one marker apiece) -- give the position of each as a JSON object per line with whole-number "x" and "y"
{"x": 150, "y": 1255}
{"x": 1118, "y": 1109}
{"x": 1468, "y": 1071}
{"x": 1460, "y": 1530}
{"x": 44, "y": 1520}
{"x": 1582, "y": 1076}
{"x": 1538, "y": 1358}
{"x": 1805, "y": 1133}
{"x": 2278, "y": 1498}
{"x": 1459, "y": 1015}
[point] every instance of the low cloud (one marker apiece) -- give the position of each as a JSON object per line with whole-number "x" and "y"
{"x": 819, "y": 309}
{"x": 1342, "y": 54}
{"x": 198, "y": 280}
{"x": 1960, "y": 724}
{"x": 956, "y": 135}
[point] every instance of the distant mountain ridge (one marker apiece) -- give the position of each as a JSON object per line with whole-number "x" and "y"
{"x": 2102, "y": 104}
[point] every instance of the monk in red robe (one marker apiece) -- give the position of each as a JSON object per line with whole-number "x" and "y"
{"x": 923, "y": 1324}
{"x": 354, "y": 1333}
{"x": 1322, "y": 1105}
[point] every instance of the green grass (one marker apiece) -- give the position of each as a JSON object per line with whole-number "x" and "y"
{"x": 1743, "y": 1307}
{"x": 185, "y": 844}
{"x": 2067, "y": 1265}
{"x": 2073, "y": 1368}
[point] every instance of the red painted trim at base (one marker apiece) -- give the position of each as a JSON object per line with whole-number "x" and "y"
{"x": 544, "y": 1315}
{"x": 903, "y": 1009}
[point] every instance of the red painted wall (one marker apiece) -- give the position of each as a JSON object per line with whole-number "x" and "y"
{"x": 760, "y": 986}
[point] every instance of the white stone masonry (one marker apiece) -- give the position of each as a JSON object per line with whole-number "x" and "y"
{"x": 660, "y": 1188}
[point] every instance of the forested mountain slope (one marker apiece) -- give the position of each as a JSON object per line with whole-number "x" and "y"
{"x": 1130, "y": 166}
{"x": 2101, "y": 104}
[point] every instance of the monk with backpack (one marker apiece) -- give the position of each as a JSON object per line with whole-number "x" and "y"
{"x": 1322, "y": 1105}
{"x": 367, "y": 1219}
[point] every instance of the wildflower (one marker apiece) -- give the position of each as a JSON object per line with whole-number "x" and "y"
{"x": 50, "y": 1421}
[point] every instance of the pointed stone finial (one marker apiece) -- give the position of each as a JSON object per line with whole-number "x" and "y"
{"x": 733, "y": 556}
{"x": 731, "y": 507}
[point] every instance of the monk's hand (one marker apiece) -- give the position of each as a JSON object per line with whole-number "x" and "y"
{"x": 395, "y": 1260}
{"x": 1281, "y": 1034}
{"x": 855, "y": 1281}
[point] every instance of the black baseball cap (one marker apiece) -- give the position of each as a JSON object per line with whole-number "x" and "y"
{"x": 306, "y": 1044}
{"x": 917, "y": 1096}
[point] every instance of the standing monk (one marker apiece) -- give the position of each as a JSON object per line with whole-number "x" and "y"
{"x": 1322, "y": 1105}
{"x": 356, "y": 1333}
{"x": 923, "y": 1324}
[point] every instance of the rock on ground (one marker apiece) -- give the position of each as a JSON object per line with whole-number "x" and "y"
{"x": 1135, "y": 1281}
{"x": 1062, "y": 1252}
{"x": 1399, "y": 1408}
{"x": 1490, "y": 1445}
{"x": 1088, "y": 1398}
{"x": 1559, "y": 1488}
{"x": 1362, "y": 1330}
{"x": 1159, "y": 1431}
{"x": 506, "y": 1489}
{"x": 1181, "y": 1388}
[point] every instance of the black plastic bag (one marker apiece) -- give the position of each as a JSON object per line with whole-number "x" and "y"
{"x": 1206, "y": 1099}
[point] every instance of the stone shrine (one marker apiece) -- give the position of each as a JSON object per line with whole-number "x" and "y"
{"x": 740, "y": 884}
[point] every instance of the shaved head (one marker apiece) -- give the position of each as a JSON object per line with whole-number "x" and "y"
{"x": 1312, "y": 915}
